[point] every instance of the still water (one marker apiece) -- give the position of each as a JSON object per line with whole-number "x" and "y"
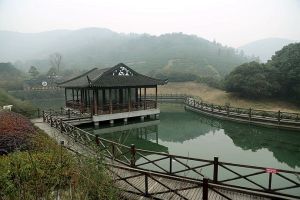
{"x": 190, "y": 134}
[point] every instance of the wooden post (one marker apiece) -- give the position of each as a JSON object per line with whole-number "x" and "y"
{"x": 250, "y": 113}
{"x": 66, "y": 97}
{"x": 113, "y": 150}
{"x": 205, "y": 189}
{"x": 51, "y": 120}
{"x": 44, "y": 118}
{"x": 61, "y": 125}
{"x": 270, "y": 181}
{"x": 227, "y": 110}
{"x": 103, "y": 99}
{"x": 146, "y": 185}
{"x": 279, "y": 116}
{"x": 132, "y": 151}
{"x": 97, "y": 140}
{"x": 216, "y": 164}
{"x": 110, "y": 102}
{"x": 95, "y": 102}
{"x": 212, "y": 108}
{"x": 129, "y": 99}
{"x": 170, "y": 165}
{"x": 156, "y": 96}
{"x": 72, "y": 97}
{"x": 77, "y": 94}
{"x": 145, "y": 93}
{"x": 140, "y": 95}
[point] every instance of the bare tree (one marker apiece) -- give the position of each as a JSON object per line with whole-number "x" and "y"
{"x": 55, "y": 60}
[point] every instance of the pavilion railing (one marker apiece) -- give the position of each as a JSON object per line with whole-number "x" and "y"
{"x": 265, "y": 180}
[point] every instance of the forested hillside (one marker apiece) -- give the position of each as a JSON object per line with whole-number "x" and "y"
{"x": 167, "y": 54}
{"x": 10, "y": 77}
{"x": 279, "y": 77}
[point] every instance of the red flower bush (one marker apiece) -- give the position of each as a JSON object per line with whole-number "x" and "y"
{"x": 15, "y": 130}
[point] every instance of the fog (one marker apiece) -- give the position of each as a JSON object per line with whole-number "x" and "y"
{"x": 231, "y": 22}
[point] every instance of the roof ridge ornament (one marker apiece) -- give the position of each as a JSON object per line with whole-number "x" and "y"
{"x": 122, "y": 71}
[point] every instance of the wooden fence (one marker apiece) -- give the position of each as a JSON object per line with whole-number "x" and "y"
{"x": 243, "y": 177}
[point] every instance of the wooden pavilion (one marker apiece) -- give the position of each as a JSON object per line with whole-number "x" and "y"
{"x": 111, "y": 93}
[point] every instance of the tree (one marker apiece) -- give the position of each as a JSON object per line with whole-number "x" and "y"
{"x": 55, "y": 61}
{"x": 286, "y": 64}
{"x": 52, "y": 72}
{"x": 249, "y": 79}
{"x": 33, "y": 72}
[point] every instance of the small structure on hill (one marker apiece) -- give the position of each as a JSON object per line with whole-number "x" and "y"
{"x": 42, "y": 83}
{"x": 112, "y": 93}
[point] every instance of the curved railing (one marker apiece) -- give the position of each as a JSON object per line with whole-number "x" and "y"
{"x": 255, "y": 179}
{"x": 289, "y": 120}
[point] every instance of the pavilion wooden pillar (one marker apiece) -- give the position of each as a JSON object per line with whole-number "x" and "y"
{"x": 110, "y": 102}
{"x": 66, "y": 97}
{"x": 73, "y": 94}
{"x": 145, "y": 93}
{"x": 140, "y": 97}
{"x": 129, "y": 99}
{"x": 156, "y": 96}
{"x": 77, "y": 94}
{"x": 136, "y": 98}
{"x": 103, "y": 99}
{"x": 95, "y": 106}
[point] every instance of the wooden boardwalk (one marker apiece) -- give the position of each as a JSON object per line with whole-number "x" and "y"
{"x": 134, "y": 183}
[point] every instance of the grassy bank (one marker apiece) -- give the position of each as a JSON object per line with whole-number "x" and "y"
{"x": 19, "y": 106}
{"x": 221, "y": 97}
{"x": 41, "y": 169}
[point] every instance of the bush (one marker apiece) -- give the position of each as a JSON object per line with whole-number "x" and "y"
{"x": 15, "y": 131}
{"x": 47, "y": 169}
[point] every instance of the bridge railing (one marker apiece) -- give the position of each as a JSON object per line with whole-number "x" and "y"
{"x": 279, "y": 117}
{"x": 254, "y": 178}
{"x": 245, "y": 113}
{"x": 170, "y": 191}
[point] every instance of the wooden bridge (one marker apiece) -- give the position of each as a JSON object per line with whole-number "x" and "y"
{"x": 148, "y": 174}
{"x": 279, "y": 119}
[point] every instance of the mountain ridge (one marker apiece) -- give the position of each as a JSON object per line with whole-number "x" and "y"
{"x": 101, "y": 47}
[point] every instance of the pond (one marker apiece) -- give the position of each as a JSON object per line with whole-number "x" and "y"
{"x": 190, "y": 134}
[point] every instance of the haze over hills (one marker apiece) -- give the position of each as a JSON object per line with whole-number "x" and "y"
{"x": 89, "y": 47}
{"x": 265, "y": 48}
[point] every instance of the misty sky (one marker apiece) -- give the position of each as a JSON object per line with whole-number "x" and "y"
{"x": 231, "y": 22}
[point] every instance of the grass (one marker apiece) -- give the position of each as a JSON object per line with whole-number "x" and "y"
{"x": 46, "y": 169}
{"x": 220, "y": 97}
{"x": 19, "y": 106}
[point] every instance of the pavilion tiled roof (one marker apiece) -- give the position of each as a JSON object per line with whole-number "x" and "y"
{"x": 117, "y": 76}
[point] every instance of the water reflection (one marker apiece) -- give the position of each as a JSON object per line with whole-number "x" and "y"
{"x": 143, "y": 134}
{"x": 285, "y": 145}
{"x": 187, "y": 133}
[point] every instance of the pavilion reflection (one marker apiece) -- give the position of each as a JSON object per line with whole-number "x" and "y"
{"x": 143, "y": 134}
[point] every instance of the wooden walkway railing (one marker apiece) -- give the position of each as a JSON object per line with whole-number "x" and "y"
{"x": 262, "y": 180}
{"x": 279, "y": 119}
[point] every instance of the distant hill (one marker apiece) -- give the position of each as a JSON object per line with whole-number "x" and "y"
{"x": 85, "y": 48}
{"x": 10, "y": 77}
{"x": 265, "y": 48}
